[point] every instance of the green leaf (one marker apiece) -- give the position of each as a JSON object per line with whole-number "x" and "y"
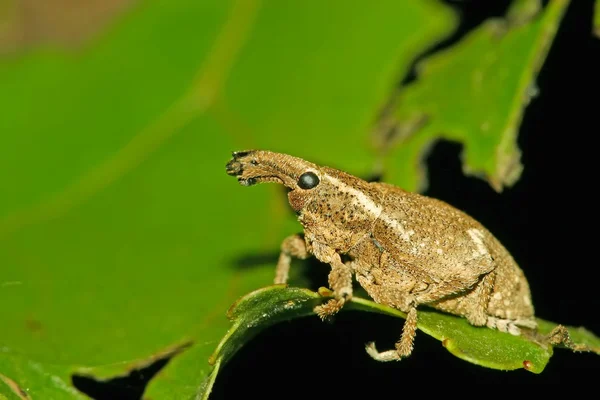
{"x": 478, "y": 345}
{"x": 473, "y": 93}
{"x": 23, "y": 378}
{"x": 121, "y": 237}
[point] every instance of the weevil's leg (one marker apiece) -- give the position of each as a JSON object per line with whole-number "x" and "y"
{"x": 560, "y": 337}
{"x": 440, "y": 291}
{"x": 479, "y": 316}
{"x": 340, "y": 281}
{"x": 292, "y": 246}
{"x": 483, "y": 288}
{"x": 404, "y": 347}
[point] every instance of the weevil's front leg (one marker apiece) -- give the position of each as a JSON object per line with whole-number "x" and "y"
{"x": 340, "y": 281}
{"x": 403, "y": 347}
{"x": 292, "y": 246}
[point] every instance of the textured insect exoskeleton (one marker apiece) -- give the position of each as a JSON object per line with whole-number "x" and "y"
{"x": 405, "y": 249}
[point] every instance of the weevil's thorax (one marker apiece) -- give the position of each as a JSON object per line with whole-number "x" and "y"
{"x": 341, "y": 211}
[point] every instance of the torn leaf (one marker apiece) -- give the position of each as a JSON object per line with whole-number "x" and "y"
{"x": 474, "y": 93}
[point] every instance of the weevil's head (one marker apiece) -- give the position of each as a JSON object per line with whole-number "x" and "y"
{"x": 304, "y": 179}
{"x": 337, "y": 208}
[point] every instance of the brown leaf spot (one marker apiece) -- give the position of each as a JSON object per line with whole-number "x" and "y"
{"x": 28, "y": 23}
{"x": 528, "y": 365}
{"x": 445, "y": 342}
{"x": 33, "y": 325}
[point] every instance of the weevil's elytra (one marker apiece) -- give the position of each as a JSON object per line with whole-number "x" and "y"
{"x": 404, "y": 248}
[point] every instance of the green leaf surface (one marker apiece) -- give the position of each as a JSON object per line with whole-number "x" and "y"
{"x": 122, "y": 240}
{"x": 473, "y": 93}
{"x": 478, "y": 345}
{"x": 24, "y": 378}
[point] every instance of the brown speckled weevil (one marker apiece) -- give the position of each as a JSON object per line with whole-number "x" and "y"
{"x": 404, "y": 248}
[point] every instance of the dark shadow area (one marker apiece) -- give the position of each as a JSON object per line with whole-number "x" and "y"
{"x": 311, "y": 273}
{"x": 307, "y": 358}
{"x": 130, "y": 387}
{"x": 252, "y": 260}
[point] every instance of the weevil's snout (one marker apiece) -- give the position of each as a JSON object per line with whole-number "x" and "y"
{"x": 255, "y": 166}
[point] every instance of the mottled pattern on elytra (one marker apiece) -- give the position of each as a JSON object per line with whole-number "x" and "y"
{"x": 405, "y": 249}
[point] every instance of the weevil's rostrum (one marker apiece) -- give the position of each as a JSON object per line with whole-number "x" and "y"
{"x": 404, "y": 248}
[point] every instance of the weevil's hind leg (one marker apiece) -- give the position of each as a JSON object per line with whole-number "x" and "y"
{"x": 292, "y": 246}
{"x": 560, "y": 337}
{"x": 478, "y": 316}
{"x": 404, "y": 347}
{"x": 482, "y": 293}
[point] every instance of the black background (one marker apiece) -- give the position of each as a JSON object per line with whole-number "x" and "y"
{"x": 547, "y": 221}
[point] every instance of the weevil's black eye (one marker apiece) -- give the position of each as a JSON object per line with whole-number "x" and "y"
{"x": 308, "y": 180}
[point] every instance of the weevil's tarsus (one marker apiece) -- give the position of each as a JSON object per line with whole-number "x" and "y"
{"x": 382, "y": 356}
{"x": 404, "y": 347}
{"x": 329, "y": 309}
{"x": 559, "y": 336}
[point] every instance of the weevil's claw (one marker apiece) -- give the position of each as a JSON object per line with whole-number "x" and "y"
{"x": 371, "y": 349}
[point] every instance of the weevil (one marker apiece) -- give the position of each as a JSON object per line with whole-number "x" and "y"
{"x": 405, "y": 249}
